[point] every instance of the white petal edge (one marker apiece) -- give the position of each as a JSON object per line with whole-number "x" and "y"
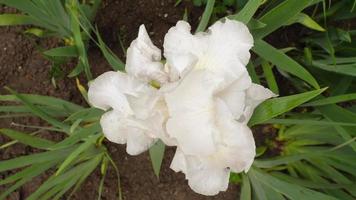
{"x": 255, "y": 95}
{"x": 111, "y": 123}
{"x": 206, "y": 179}
{"x": 143, "y": 59}
{"x": 108, "y": 91}
{"x": 182, "y": 49}
{"x": 138, "y": 141}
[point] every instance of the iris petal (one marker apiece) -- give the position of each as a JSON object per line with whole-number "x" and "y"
{"x": 143, "y": 59}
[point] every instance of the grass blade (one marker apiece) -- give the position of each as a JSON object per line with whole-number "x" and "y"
{"x": 206, "y": 16}
{"x": 15, "y": 19}
{"x": 27, "y": 139}
{"x": 276, "y": 106}
{"x": 34, "y": 158}
{"x": 67, "y": 51}
{"x": 71, "y": 157}
{"x": 156, "y": 155}
{"x": 246, "y": 14}
{"x": 280, "y": 15}
{"x": 292, "y": 191}
{"x": 245, "y": 188}
{"x": 271, "y": 80}
{"x": 40, "y": 113}
{"x": 332, "y": 100}
{"x": 282, "y": 61}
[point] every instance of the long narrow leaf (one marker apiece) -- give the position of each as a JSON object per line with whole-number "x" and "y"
{"x": 276, "y": 106}
{"x": 206, "y": 16}
{"x": 27, "y": 139}
{"x": 282, "y": 61}
{"x": 245, "y": 15}
{"x": 156, "y": 155}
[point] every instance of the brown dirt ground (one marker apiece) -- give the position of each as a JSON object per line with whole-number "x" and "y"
{"x": 24, "y": 69}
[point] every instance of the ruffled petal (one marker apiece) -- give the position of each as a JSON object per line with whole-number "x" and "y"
{"x": 255, "y": 95}
{"x": 138, "y": 141}
{"x": 230, "y": 38}
{"x": 179, "y": 163}
{"x": 182, "y": 49}
{"x": 234, "y": 95}
{"x": 191, "y": 114}
{"x": 108, "y": 91}
{"x": 122, "y": 129}
{"x": 228, "y": 51}
{"x": 224, "y": 50}
{"x": 158, "y": 121}
{"x": 206, "y": 179}
{"x": 111, "y": 123}
{"x": 143, "y": 59}
{"x": 237, "y": 148}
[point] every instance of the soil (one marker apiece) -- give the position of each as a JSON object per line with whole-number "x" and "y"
{"x": 24, "y": 69}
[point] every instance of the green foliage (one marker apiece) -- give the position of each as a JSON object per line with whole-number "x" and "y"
{"x": 277, "y": 106}
{"x": 81, "y": 150}
{"x": 157, "y": 154}
{"x": 60, "y": 19}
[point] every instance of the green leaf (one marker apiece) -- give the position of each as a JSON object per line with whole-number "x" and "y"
{"x": 258, "y": 190}
{"x": 308, "y": 122}
{"x": 54, "y": 112}
{"x": 346, "y": 69}
{"x": 280, "y": 15}
{"x": 67, "y": 51}
{"x": 15, "y": 19}
{"x": 252, "y": 72}
{"x": 87, "y": 114}
{"x": 47, "y": 14}
{"x": 74, "y": 155}
{"x": 276, "y": 106}
{"x": 34, "y": 158}
{"x": 306, "y": 183}
{"x": 69, "y": 176}
{"x": 36, "y": 32}
{"x": 271, "y": 80}
{"x": 332, "y": 100}
{"x": 27, "y": 139}
{"x": 254, "y": 24}
{"x": 246, "y": 14}
{"x": 25, "y": 176}
{"x": 307, "y": 21}
{"x": 206, "y": 16}
{"x": 78, "y": 135}
{"x": 39, "y": 112}
{"x": 77, "y": 70}
{"x": 78, "y": 39}
{"x": 281, "y": 160}
{"x": 282, "y": 61}
{"x": 113, "y": 60}
{"x": 342, "y": 115}
{"x": 32, "y": 170}
{"x": 156, "y": 155}
{"x": 245, "y": 188}
{"x": 44, "y": 100}
{"x": 292, "y": 191}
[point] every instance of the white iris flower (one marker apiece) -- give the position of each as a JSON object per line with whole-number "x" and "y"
{"x": 205, "y": 100}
